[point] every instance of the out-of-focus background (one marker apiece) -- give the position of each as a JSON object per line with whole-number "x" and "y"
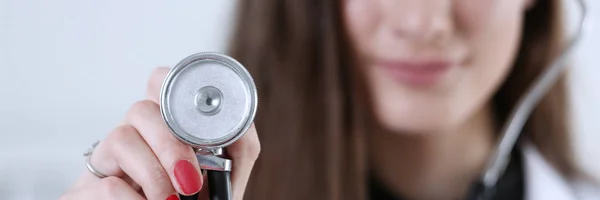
{"x": 70, "y": 69}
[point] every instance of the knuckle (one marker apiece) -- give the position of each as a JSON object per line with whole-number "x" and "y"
{"x": 143, "y": 106}
{"x": 139, "y": 108}
{"x": 112, "y": 186}
{"x": 247, "y": 148}
{"x": 253, "y": 150}
{"x": 158, "y": 74}
{"x": 122, "y": 133}
{"x": 249, "y": 151}
{"x": 253, "y": 147}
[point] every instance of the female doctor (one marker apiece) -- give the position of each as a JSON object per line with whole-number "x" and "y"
{"x": 370, "y": 99}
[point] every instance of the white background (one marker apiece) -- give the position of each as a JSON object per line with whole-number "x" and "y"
{"x": 69, "y": 70}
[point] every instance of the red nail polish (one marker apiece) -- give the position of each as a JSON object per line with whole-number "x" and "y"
{"x": 187, "y": 177}
{"x": 173, "y": 197}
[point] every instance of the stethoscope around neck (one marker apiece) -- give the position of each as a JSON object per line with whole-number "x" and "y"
{"x": 209, "y": 100}
{"x": 483, "y": 188}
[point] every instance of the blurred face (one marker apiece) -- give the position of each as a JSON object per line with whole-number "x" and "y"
{"x": 431, "y": 65}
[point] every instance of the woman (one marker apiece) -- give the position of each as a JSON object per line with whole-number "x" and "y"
{"x": 364, "y": 99}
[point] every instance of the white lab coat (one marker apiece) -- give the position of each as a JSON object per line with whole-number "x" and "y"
{"x": 544, "y": 182}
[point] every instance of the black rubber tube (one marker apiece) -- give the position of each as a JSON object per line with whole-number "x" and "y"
{"x": 193, "y": 197}
{"x": 219, "y": 185}
{"x": 478, "y": 191}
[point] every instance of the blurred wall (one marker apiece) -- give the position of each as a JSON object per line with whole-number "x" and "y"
{"x": 70, "y": 69}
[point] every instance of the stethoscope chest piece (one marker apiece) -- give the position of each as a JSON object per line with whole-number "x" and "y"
{"x": 209, "y": 100}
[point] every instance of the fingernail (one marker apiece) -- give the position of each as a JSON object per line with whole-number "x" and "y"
{"x": 173, "y": 197}
{"x": 187, "y": 177}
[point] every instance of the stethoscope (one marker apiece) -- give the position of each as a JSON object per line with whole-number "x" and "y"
{"x": 483, "y": 188}
{"x": 209, "y": 100}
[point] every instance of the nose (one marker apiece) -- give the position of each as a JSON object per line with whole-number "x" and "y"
{"x": 423, "y": 20}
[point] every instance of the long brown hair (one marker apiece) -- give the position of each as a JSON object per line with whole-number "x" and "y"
{"x": 312, "y": 119}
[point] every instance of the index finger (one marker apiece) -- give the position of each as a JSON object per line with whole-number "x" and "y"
{"x": 155, "y": 82}
{"x": 244, "y": 153}
{"x": 178, "y": 159}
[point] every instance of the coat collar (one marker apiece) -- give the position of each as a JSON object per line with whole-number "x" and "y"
{"x": 542, "y": 180}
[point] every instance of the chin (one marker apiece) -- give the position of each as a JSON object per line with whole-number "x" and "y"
{"x": 415, "y": 118}
{"x": 413, "y": 125}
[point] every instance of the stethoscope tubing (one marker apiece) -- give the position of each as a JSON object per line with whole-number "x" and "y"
{"x": 518, "y": 117}
{"x": 221, "y": 185}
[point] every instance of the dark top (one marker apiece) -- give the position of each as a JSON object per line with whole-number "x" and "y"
{"x": 510, "y": 186}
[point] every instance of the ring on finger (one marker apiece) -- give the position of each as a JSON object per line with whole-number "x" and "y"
{"x": 88, "y": 163}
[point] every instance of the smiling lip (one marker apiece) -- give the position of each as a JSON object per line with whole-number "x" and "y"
{"x": 416, "y": 73}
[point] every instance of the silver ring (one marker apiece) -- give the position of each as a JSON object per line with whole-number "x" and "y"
{"x": 88, "y": 164}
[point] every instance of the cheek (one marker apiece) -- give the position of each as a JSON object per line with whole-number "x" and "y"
{"x": 493, "y": 38}
{"x": 473, "y": 15}
{"x": 492, "y": 32}
{"x": 361, "y": 20}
